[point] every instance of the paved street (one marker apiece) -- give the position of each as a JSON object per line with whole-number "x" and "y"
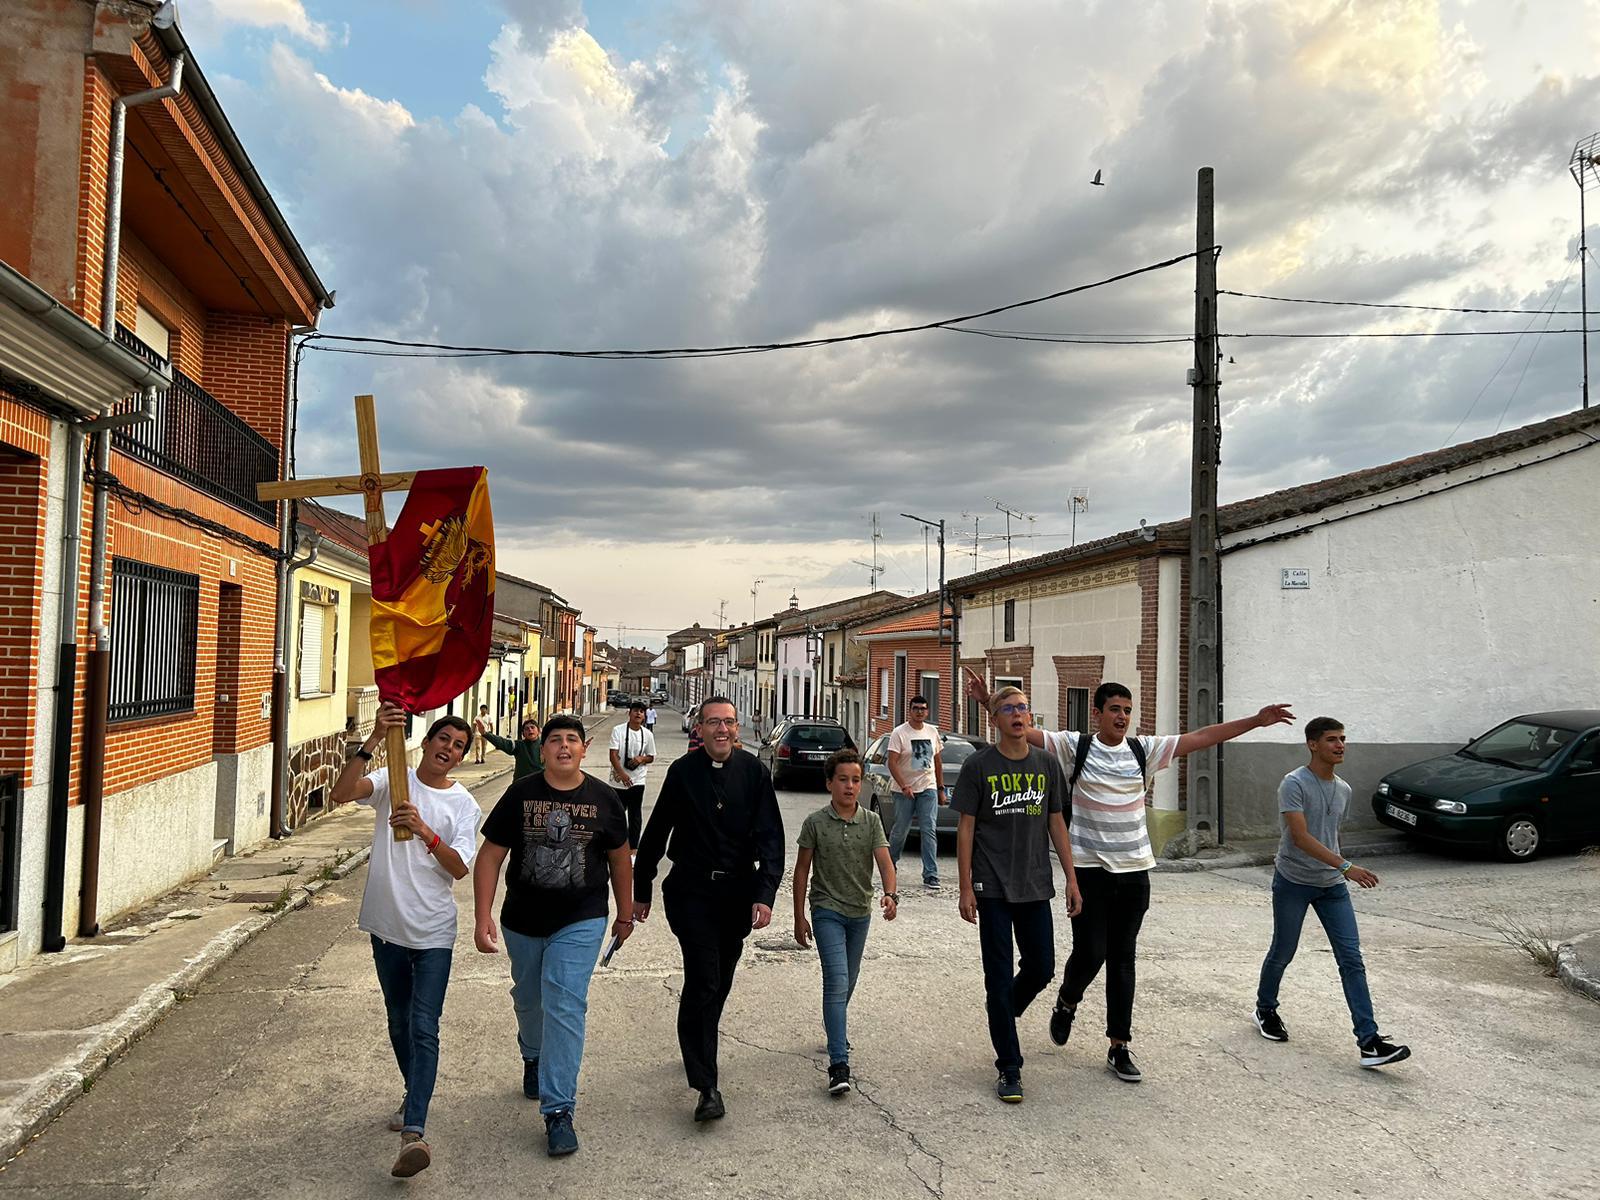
{"x": 274, "y": 1080}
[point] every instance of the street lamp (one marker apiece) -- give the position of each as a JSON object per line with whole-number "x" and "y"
{"x": 1585, "y": 169}
{"x": 955, "y": 663}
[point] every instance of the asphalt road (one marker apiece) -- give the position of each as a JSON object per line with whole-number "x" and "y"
{"x": 275, "y": 1079}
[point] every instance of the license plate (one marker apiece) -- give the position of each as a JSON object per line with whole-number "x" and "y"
{"x": 1400, "y": 814}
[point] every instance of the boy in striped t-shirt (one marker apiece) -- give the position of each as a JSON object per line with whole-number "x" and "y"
{"x": 1108, "y": 776}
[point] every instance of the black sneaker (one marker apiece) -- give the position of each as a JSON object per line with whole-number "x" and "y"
{"x": 560, "y": 1140}
{"x": 1009, "y": 1086}
{"x": 1271, "y": 1025}
{"x": 1061, "y": 1022}
{"x": 530, "y": 1078}
{"x": 838, "y": 1078}
{"x": 1379, "y": 1051}
{"x": 1120, "y": 1063}
{"x": 710, "y": 1107}
{"x": 931, "y": 885}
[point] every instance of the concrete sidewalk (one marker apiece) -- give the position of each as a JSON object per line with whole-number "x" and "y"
{"x": 1357, "y": 844}
{"x": 65, "y": 1017}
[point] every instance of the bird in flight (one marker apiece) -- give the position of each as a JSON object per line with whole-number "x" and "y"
{"x": 1097, "y": 181}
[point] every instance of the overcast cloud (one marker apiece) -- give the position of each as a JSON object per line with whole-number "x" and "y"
{"x": 785, "y": 171}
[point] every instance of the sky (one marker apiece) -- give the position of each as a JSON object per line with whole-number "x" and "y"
{"x": 566, "y": 175}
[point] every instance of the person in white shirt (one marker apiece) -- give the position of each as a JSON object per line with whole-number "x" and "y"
{"x": 650, "y": 718}
{"x": 1108, "y": 777}
{"x": 917, "y": 773}
{"x": 633, "y": 749}
{"x": 408, "y": 908}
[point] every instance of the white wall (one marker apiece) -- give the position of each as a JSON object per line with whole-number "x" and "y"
{"x": 1425, "y": 623}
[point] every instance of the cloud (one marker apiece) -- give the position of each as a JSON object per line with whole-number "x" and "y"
{"x": 211, "y": 19}
{"x": 776, "y": 172}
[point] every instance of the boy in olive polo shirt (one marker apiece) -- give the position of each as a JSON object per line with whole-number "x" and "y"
{"x": 842, "y": 841}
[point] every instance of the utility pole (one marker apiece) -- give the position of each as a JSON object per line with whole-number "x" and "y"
{"x": 722, "y": 614}
{"x": 1585, "y": 168}
{"x": 1205, "y": 805}
{"x": 974, "y": 517}
{"x": 954, "y": 650}
{"x": 753, "y": 587}
{"x": 1078, "y": 501}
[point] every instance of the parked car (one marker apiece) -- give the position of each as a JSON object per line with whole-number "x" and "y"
{"x": 659, "y": 696}
{"x": 1531, "y": 781}
{"x": 799, "y": 746}
{"x": 958, "y": 747}
{"x": 619, "y": 700}
{"x": 690, "y": 717}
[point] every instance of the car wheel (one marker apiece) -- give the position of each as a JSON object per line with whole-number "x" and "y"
{"x": 1520, "y": 839}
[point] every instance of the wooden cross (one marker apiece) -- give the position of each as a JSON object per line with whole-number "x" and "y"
{"x": 370, "y": 485}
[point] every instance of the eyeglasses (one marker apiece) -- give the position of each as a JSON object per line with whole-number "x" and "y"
{"x": 720, "y": 722}
{"x": 1010, "y": 710}
{"x": 919, "y": 708}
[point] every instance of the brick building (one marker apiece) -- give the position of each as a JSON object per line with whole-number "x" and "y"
{"x": 907, "y": 655}
{"x": 117, "y": 793}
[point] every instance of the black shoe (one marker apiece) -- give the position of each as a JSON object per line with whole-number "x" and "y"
{"x": 1061, "y": 1022}
{"x": 1120, "y": 1063}
{"x": 1271, "y": 1025}
{"x": 560, "y": 1139}
{"x": 710, "y": 1107}
{"x": 1379, "y": 1051}
{"x": 838, "y": 1078}
{"x": 530, "y": 1078}
{"x": 1009, "y": 1086}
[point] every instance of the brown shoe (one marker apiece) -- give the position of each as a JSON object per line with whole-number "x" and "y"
{"x": 414, "y": 1156}
{"x": 397, "y": 1122}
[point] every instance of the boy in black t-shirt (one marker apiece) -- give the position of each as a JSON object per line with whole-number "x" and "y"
{"x": 566, "y": 837}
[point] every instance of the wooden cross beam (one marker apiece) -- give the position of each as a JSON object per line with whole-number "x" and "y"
{"x": 370, "y": 485}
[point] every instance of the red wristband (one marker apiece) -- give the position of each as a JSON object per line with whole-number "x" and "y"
{"x": 433, "y": 845}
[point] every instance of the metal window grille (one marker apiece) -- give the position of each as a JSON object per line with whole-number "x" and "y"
{"x": 1077, "y": 709}
{"x": 1011, "y": 620}
{"x": 929, "y": 687}
{"x": 10, "y": 849}
{"x": 155, "y": 625}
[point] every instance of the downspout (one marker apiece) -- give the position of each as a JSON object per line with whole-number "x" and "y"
{"x": 97, "y": 674}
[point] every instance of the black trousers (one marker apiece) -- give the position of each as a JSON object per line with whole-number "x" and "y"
{"x": 1009, "y": 986}
{"x": 1106, "y": 934}
{"x": 710, "y": 926}
{"x": 633, "y": 804}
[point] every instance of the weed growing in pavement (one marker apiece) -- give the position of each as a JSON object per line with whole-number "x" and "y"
{"x": 330, "y": 870}
{"x": 288, "y": 871}
{"x": 280, "y": 903}
{"x": 1536, "y": 937}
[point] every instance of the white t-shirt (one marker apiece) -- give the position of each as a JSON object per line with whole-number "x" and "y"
{"x": 650, "y": 716}
{"x": 1107, "y": 826}
{"x": 630, "y": 743}
{"x": 920, "y": 747}
{"x": 408, "y": 899}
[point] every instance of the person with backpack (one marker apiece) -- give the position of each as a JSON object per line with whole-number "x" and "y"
{"x": 1109, "y": 774}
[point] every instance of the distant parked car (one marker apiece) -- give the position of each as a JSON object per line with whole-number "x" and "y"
{"x": 690, "y": 718}
{"x": 800, "y": 746}
{"x": 619, "y": 700}
{"x": 1526, "y": 783}
{"x": 659, "y": 696}
{"x": 958, "y": 747}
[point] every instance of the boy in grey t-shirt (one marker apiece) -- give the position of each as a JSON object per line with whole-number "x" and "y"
{"x": 1310, "y": 873}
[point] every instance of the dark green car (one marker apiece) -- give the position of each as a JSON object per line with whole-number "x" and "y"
{"x": 1532, "y": 781}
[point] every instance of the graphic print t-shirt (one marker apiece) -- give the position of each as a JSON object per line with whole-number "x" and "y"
{"x": 557, "y": 871}
{"x": 1011, "y": 800}
{"x": 920, "y": 747}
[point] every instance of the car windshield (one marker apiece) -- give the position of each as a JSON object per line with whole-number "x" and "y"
{"x": 821, "y": 737}
{"x": 956, "y": 752}
{"x": 1524, "y": 744}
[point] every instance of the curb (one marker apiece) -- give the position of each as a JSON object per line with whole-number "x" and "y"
{"x": 1264, "y": 857}
{"x": 1572, "y": 972}
{"x": 52, "y": 1093}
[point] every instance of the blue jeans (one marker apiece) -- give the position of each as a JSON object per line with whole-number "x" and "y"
{"x": 924, "y": 806}
{"x": 413, "y": 984}
{"x": 550, "y": 991}
{"x": 840, "y": 941}
{"x": 1009, "y": 985}
{"x": 1338, "y": 916}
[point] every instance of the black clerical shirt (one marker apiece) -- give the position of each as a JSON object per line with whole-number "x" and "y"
{"x": 712, "y": 816}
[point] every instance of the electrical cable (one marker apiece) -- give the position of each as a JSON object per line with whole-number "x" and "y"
{"x": 749, "y": 348}
{"x": 1538, "y": 340}
{"x": 1573, "y": 312}
{"x": 1419, "y": 333}
{"x": 137, "y": 502}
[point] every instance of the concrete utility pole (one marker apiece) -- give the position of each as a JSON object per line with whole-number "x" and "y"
{"x": 955, "y": 675}
{"x": 1585, "y": 168}
{"x": 1205, "y": 805}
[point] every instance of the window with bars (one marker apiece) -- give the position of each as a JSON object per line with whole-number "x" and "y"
{"x": 1011, "y": 620}
{"x": 928, "y": 686}
{"x": 155, "y": 619}
{"x": 1077, "y": 709}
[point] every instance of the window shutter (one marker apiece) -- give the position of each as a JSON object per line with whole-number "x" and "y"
{"x": 310, "y": 667}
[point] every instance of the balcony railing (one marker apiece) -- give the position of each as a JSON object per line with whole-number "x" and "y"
{"x": 198, "y": 439}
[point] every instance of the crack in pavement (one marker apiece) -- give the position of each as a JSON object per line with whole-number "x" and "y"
{"x": 934, "y": 1187}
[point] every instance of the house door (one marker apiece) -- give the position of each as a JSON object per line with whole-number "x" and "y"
{"x": 900, "y": 688}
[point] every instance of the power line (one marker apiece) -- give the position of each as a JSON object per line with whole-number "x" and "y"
{"x": 1566, "y": 312}
{"x": 449, "y": 350}
{"x": 1072, "y": 339}
{"x": 1532, "y": 354}
{"x": 1419, "y": 333}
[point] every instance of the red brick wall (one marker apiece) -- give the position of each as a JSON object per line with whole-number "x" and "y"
{"x": 22, "y": 504}
{"x": 1076, "y": 671}
{"x": 92, "y": 168}
{"x": 923, "y": 655}
{"x": 245, "y": 368}
{"x": 1009, "y": 662}
{"x": 142, "y": 278}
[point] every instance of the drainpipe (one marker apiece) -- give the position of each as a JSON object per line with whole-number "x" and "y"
{"x": 97, "y": 674}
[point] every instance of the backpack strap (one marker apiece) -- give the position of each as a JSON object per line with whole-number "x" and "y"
{"x": 1080, "y": 756}
{"x": 1137, "y": 747}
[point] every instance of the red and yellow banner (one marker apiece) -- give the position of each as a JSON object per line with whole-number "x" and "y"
{"x": 433, "y": 591}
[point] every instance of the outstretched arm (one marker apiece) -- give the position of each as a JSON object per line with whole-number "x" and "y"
{"x": 1272, "y": 714}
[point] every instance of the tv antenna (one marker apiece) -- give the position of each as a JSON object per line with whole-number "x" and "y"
{"x": 1077, "y": 501}
{"x": 1010, "y": 513}
{"x": 975, "y": 518}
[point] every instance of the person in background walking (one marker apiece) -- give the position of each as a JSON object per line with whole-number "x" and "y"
{"x": 408, "y": 908}
{"x": 633, "y": 749}
{"x": 527, "y": 752}
{"x": 1009, "y": 799}
{"x": 1309, "y": 872}
{"x": 717, "y": 819}
{"x": 841, "y": 842}
{"x": 650, "y": 718}
{"x": 482, "y": 726}
{"x": 565, "y": 836}
{"x": 918, "y": 776}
